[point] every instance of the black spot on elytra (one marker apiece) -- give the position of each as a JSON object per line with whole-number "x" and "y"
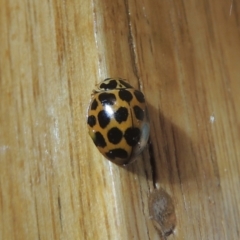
{"x": 107, "y": 98}
{"x": 132, "y": 136}
{"x": 94, "y": 105}
{"x": 109, "y": 86}
{"x": 103, "y": 119}
{"x": 139, "y": 113}
{"x": 121, "y": 114}
{"x": 117, "y": 153}
{"x": 99, "y": 140}
{"x": 139, "y": 96}
{"x": 91, "y": 120}
{"x": 125, "y": 95}
{"x": 115, "y": 135}
{"x": 125, "y": 84}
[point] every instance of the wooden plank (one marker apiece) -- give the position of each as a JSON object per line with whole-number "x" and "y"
{"x": 184, "y": 56}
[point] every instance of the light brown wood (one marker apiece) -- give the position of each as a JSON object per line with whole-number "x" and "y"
{"x": 184, "y": 56}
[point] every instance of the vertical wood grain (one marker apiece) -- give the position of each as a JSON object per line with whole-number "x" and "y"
{"x": 184, "y": 56}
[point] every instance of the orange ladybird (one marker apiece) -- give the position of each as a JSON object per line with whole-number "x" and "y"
{"x": 117, "y": 120}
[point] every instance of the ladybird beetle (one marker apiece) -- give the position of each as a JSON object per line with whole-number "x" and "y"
{"x": 117, "y": 120}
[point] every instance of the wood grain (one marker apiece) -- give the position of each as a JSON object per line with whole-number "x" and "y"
{"x": 184, "y": 56}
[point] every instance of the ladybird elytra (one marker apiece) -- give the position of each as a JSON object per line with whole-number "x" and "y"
{"x": 117, "y": 120}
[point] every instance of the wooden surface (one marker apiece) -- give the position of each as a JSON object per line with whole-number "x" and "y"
{"x": 184, "y": 56}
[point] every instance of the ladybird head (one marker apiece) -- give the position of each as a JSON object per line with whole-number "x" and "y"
{"x": 111, "y": 84}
